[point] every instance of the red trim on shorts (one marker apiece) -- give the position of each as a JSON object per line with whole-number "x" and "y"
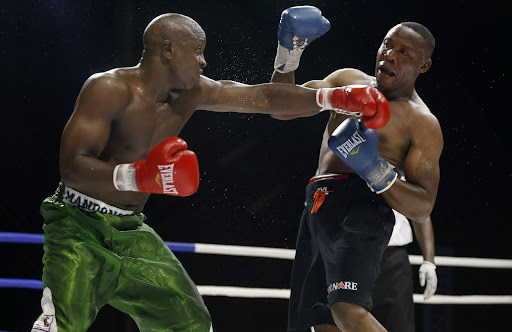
{"x": 329, "y": 176}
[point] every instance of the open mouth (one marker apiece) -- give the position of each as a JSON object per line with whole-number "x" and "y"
{"x": 385, "y": 71}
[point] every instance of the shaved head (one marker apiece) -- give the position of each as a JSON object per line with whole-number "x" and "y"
{"x": 174, "y": 27}
{"x": 428, "y": 39}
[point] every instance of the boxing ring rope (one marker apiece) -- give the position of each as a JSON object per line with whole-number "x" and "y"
{"x": 282, "y": 253}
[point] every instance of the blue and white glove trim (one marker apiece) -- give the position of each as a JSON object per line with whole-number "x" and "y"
{"x": 288, "y": 60}
{"x": 382, "y": 177}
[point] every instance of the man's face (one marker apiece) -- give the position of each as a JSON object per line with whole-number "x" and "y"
{"x": 400, "y": 59}
{"x": 189, "y": 61}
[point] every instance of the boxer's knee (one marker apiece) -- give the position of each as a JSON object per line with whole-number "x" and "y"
{"x": 347, "y": 315}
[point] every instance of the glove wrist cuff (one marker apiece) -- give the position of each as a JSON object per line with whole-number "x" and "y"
{"x": 124, "y": 178}
{"x": 381, "y": 177}
{"x": 429, "y": 264}
{"x": 288, "y": 60}
{"x": 323, "y": 98}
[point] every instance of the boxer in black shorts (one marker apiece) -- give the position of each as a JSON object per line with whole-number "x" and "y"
{"x": 340, "y": 244}
{"x": 334, "y": 240}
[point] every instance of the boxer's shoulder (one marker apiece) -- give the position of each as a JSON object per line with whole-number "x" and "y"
{"x": 420, "y": 112}
{"x": 349, "y": 76}
{"x": 113, "y": 85}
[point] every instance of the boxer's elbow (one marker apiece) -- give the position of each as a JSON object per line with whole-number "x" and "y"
{"x": 420, "y": 219}
{"x": 284, "y": 116}
{"x": 421, "y": 212}
{"x": 68, "y": 173}
{"x": 71, "y": 170}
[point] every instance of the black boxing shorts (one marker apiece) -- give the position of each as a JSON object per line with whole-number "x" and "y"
{"x": 343, "y": 232}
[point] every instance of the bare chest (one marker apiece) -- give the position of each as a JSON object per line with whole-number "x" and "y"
{"x": 394, "y": 142}
{"x": 143, "y": 125}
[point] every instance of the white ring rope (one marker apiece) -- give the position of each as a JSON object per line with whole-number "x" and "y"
{"x": 247, "y": 292}
{"x": 487, "y": 263}
{"x": 230, "y": 291}
{"x": 282, "y": 253}
{"x": 221, "y": 249}
{"x": 464, "y": 299}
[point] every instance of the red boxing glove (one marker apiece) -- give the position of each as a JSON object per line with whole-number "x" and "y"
{"x": 356, "y": 100}
{"x": 169, "y": 169}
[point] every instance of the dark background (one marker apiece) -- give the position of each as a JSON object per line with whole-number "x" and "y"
{"x": 254, "y": 169}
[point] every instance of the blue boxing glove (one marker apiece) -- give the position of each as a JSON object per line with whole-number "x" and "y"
{"x": 356, "y": 146}
{"x": 300, "y": 22}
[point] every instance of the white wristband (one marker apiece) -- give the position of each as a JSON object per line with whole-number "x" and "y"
{"x": 288, "y": 60}
{"x": 322, "y": 95}
{"x": 323, "y": 98}
{"x": 124, "y": 178}
{"x": 429, "y": 263}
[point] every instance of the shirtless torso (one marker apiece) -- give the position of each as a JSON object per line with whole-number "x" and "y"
{"x": 394, "y": 139}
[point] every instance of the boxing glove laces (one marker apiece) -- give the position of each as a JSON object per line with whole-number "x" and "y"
{"x": 356, "y": 100}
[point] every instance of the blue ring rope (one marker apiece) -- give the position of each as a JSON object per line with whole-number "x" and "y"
{"x": 7, "y": 237}
{"x": 21, "y": 283}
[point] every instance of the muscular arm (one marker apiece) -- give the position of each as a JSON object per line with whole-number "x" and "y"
{"x": 415, "y": 198}
{"x": 87, "y": 132}
{"x": 425, "y": 235}
{"x": 269, "y": 98}
{"x": 338, "y": 78}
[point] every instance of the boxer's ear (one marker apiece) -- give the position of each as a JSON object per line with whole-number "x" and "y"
{"x": 425, "y": 66}
{"x": 167, "y": 49}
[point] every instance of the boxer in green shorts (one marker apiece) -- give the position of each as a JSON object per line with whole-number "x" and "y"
{"x": 119, "y": 146}
{"x": 93, "y": 258}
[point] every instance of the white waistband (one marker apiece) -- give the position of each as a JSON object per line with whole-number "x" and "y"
{"x": 91, "y": 204}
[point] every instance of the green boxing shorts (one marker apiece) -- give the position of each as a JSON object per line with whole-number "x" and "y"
{"x": 96, "y": 254}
